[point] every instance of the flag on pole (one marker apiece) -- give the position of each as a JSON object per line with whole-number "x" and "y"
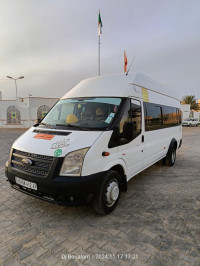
{"x": 99, "y": 25}
{"x": 125, "y": 62}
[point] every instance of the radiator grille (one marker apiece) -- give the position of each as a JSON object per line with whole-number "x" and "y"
{"x": 40, "y": 164}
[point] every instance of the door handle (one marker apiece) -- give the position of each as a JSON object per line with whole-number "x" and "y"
{"x": 142, "y": 138}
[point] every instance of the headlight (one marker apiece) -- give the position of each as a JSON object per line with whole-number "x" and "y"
{"x": 73, "y": 162}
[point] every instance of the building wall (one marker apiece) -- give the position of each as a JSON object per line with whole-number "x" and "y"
{"x": 196, "y": 114}
{"x": 24, "y": 113}
{"x": 36, "y": 103}
{"x": 187, "y": 113}
{"x": 185, "y": 108}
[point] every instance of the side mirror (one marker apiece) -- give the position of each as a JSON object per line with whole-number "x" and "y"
{"x": 128, "y": 130}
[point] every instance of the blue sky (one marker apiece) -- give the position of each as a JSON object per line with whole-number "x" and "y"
{"x": 54, "y": 44}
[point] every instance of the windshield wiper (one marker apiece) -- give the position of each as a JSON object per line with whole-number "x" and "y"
{"x": 74, "y": 126}
{"x": 64, "y": 125}
{"x": 46, "y": 125}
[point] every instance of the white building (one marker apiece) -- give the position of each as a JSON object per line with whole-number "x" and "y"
{"x": 195, "y": 114}
{"x": 25, "y": 112}
{"x": 187, "y": 113}
{"x": 185, "y": 108}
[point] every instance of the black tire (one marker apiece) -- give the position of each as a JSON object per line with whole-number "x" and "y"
{"x": 171, "y": 156}
{"x": 190, "y": 125}
{"x": 108, "y": 194}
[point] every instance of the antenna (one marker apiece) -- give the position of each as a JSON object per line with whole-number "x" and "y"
{"x": 130, "y": 65}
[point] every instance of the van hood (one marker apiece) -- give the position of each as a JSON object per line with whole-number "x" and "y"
{"x": 53, "y": 142}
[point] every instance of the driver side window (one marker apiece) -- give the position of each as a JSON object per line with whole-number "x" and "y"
{"x": 132, "y": 114}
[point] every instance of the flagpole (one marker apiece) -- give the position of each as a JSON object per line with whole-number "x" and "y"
{"x": 99, "y": 57}
{"x": 99, "y": 41}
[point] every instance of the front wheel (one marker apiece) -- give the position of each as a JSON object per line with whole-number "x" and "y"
{"x": 108, "y": 194}
{"x": 171, "y": 156}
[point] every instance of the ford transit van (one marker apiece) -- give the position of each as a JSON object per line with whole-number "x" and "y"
{"x": 99, "y": 135}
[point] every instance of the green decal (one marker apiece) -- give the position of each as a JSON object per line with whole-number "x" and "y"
{"x": 58, "y": 152}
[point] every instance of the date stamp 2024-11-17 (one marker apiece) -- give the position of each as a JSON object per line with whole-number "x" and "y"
{"x": 100, "y": 256}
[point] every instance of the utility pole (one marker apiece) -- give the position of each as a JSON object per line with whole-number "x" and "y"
{"x": 16, "y": 86}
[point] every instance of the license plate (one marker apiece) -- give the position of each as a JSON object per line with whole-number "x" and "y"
{"x": 26, "y": 183}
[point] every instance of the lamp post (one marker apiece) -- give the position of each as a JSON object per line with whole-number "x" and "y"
{"x": 15, "y": 83}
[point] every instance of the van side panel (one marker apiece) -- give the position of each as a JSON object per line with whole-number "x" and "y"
{"x": 157, "y": 143}
{"x": 95, "y": 162}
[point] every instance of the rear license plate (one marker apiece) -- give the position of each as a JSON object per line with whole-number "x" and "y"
{"x": 26, "y": 183}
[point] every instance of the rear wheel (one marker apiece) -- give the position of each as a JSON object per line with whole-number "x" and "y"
{"x": 108, "y": 194}
{"x": 171, "y": 156}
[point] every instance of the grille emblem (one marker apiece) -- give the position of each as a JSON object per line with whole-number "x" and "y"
{"x": 27, "y": 161}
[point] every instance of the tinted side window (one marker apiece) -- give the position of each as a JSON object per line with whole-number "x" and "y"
{"x": 178, "y": 113}
{"x": 153, "y": 116}
{"x": 161, "y": 116}
{"x": 169, "y": 116}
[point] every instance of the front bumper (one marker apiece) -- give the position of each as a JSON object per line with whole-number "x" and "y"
{"x": 63, "y": 190}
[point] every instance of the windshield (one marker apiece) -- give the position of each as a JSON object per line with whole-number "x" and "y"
{"x": 88, "y": 113}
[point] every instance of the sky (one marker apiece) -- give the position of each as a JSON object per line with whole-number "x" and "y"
{"x": 54, "y": 44}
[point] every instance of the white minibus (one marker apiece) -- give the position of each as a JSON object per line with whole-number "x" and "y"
{"x": 99, "y": 135}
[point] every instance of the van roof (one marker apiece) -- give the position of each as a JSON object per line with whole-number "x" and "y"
{"x": 115, "y": 86}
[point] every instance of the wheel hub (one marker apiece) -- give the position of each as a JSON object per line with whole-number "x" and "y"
{"x": 173, "y": 156}
{"x": 112, "y": 193}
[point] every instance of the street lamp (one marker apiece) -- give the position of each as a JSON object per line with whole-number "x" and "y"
{"x": 15, "y": 83}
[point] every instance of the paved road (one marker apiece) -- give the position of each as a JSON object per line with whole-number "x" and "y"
{"x": 157, "y": 222}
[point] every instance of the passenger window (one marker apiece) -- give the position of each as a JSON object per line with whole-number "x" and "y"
{"x": 178, "y": 112}
{"x": 153, "y": 117}
{"x": 160, "y": 116}
{"x": 132, "y": 113}
{"x": 169, "y": 116}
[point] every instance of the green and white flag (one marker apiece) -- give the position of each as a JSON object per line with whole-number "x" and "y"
{"x": 99, "y": 25}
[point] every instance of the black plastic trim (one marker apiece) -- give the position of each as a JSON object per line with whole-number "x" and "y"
{"x": 51, "y": 132}
{"x": 59, "y": 189}
{"x": 180, "y": 144}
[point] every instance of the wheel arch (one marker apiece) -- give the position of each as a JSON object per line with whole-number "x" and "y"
{"x": 119, "y": 168}
{"x": 168, "y": 158}
{"x": 173, "y": 143}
